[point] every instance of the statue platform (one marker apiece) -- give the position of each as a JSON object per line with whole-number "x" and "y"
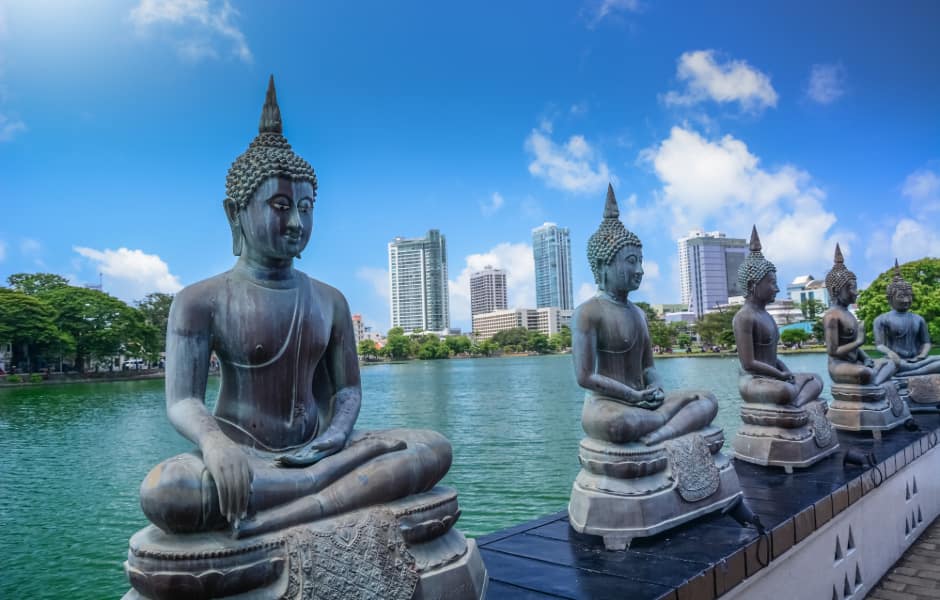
{"x": 784, "y": 436}
{"x": 873, "y": 408}
{"x": 407, "y": 549}
{"x": 832, "y": 532}
{"x": 921, "y": 392}
{"x": 626, "y": 491}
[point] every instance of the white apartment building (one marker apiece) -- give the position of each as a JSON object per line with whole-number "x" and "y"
{"x": 417, "y": 272}
{"x": 805, "y": 288}
{"x": 551, "y": 251}
{"x": 488, "y": 291}
{"x": 708, "y": 269}
{"x": 548, "y": 320}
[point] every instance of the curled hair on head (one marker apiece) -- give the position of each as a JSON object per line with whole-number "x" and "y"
{"x": 609, "y": 238}
{"x": 839, "y": 276}
{"x": 898, "y": 283}
{"x": 755, "y": 267}
{"x": 268, "y": 155}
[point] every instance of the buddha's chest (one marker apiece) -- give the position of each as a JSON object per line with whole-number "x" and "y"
{"x": 766, "y": 332}
{"x": 261, "y": 326}
{"x": 623, "y": 332}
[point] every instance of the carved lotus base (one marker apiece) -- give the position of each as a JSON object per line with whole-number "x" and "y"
{"x": 923, "y": 392}
{"x": 785, "y": 436}
{"x": 400, "y": 550}
{"x": 874, "y": 408}
{"x": 696, "y": 479}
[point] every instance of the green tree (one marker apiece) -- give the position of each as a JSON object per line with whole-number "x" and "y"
{"x": 661, "y": 334}
{"x": 155, "y": 309}
{"x": 36, "y": 283}
{"x": 28, "y": 324}
{"x": 516, "y": 337}
{"x": 562, "y": 339}
{"x": 812, "y": 309}
{"x": 794, "y": 336}
{"x": 458, "y": 344}
{"x": 683, "y": 340}
{"x": 432, "y": 348}
{"x": 924, "y": 277}
{"x": 646, "y": 308}
{"x": 367, "y": 348}
{"x": 536, "y": 341}
{"x": 397, "y": 344}
{"x": 714, "y": 327}
{"x": 100, "y": 325}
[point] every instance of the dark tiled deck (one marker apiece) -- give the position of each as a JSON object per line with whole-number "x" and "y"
{"x": 703, "y": 559}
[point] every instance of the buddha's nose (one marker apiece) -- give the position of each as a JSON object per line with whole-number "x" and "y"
{"x": 295, "y": 224}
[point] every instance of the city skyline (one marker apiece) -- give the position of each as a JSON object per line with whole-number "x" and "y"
{"x": 417, "y": 271}
{"x": 119, "y": 120}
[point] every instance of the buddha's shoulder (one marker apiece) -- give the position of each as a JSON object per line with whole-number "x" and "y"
{"x": 325, "y": 291}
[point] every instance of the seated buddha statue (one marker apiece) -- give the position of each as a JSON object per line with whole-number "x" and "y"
{"x": 848, "y": 363}
{"x": 904, "y": 339}
{"x": 784, "y": 421}
{"x": 280, "y": 448}
{"x": 630, "y": 420}
{"x": 864, "y": 396}
{"x": 902, "y": 335}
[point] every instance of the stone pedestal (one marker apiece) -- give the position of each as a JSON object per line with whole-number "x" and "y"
{"x": 396, "y": 551}
{"x": 874, "y": 408}
{"x": 922, "y": 392}
{"x": 625, "y": 491}
{"x": 784, "y": 436}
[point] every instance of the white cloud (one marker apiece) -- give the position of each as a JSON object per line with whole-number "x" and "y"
{"x": 598, "y": 10}
{"x": 826, "y": 83}
{"x": 922, "y": 187}
{"x": 515, "y": 259}
{"x": 378, "y": 278}
{"x": 492, "y": 207}
{"x": 730, "y": 81}
{"x": 573, "y": 167}
{"x": 913, "y": 240}
{"x": 651, "y": 274}
{"x": 3, "y": 250}
{"x": 579, "y": 109}
{"x": 131, "y": 274}
{"x": 9, "y": 127}
{"x": 197, "y": 25}
{"x": 585, "y": 292}
{"x": 29, "y": 246}
{"x": 719, "y": 184}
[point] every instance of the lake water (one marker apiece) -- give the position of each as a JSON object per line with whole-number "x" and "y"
{"x": 72, "y": 456}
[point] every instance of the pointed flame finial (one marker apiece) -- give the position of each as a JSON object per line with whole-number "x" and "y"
{"x": 897, "y": 268}
{"x": 838, "y": 260}
{"x": 610, "y": 207}
{"x": 271, "y": 113}
{"x": 755, "y": 240}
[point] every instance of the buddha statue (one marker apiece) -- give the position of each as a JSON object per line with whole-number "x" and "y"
{"x": 283, "y": 497}
{"x": 651, "y": 458}
{"x": 785, "y": 423}
{"x": 864, "y": 397}
{"x": 903, "y": 338}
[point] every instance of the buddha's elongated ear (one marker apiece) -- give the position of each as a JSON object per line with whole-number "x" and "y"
{"x": 231, "y": 212}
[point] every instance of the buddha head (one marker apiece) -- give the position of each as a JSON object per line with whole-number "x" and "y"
{"x": 270, "y": 192}
{"x": 841, "y": 283}
{"x": 757, "y": 276}
{"x": 614, "y": 253}
{"x": 900, "y": 292}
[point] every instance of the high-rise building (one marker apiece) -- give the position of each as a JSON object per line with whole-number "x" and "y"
{"x": 551, "y": 250}
{"x": 488, "y": 291}
{"x": 708, "y": 269}
{"x": 417, "y": 272}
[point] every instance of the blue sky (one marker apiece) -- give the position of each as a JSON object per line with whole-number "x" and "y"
{"x": 817, "y": 121}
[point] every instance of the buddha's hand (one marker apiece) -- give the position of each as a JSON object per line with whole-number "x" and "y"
{"x": 650, "y": 398}
{"x": 788, "y": 376}
{"x": 325, "y": 445}
{"x": 228, "y": 464}
{"x": 869, "y": 362}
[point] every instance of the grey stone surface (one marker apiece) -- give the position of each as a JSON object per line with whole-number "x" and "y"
{"x": 650, "y": 461}
{"x": 282, "y": 497}
{"x": 785, "y": 424}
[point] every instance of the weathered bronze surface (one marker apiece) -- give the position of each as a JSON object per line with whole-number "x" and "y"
{"x": 864, "y": 396}
{"x": 650, "y": 460}
{"x": 784, "y": 422}
{"x": 280, "y": 453}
